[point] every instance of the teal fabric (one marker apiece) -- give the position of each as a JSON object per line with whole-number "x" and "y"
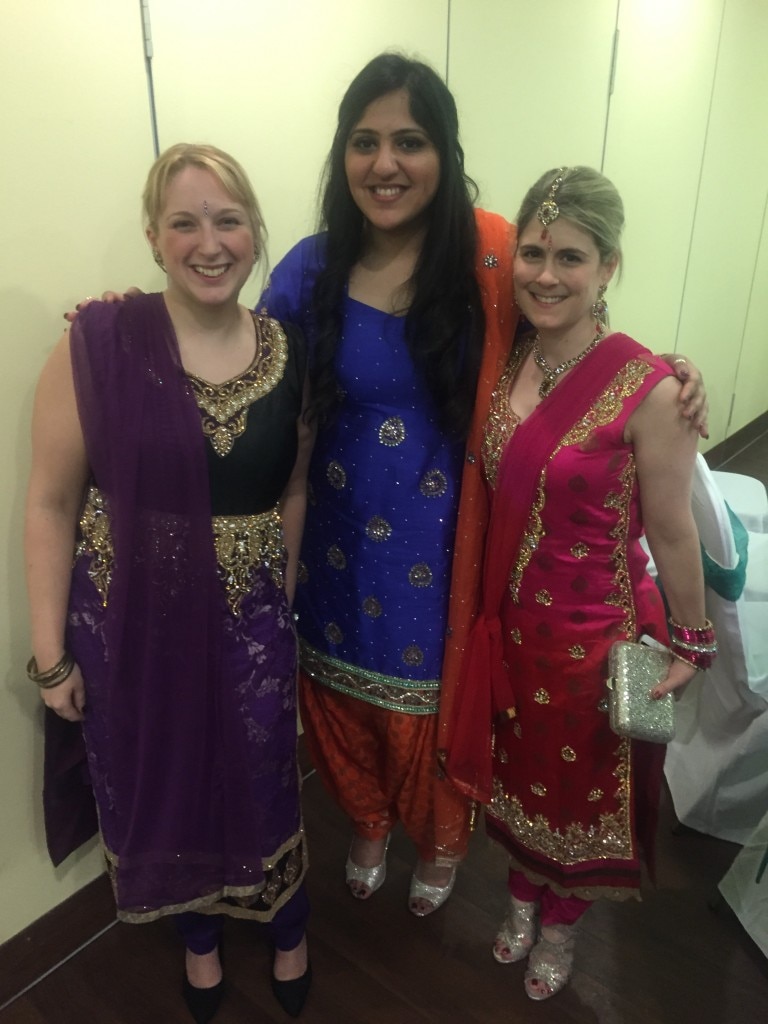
{"x": 728, "y": 583}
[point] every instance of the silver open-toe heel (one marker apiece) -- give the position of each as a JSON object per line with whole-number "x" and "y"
{"x": 517, "y": 934}
{"x": 550, "y": 964}
{"x": 434, "y": 895}
{"x": 371, "y": 878}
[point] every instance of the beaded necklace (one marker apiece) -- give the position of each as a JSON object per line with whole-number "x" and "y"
{"x": 552, "y": 373}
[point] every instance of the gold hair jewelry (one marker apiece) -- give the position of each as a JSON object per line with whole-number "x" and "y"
{"x": 61, "y": 671}
{"x": 158, "y": 259}
{"x": 549, "y": 210}
{"x": 552, "y": 373}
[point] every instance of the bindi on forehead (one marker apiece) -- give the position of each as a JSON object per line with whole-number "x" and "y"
{"x": 205, "y": 207}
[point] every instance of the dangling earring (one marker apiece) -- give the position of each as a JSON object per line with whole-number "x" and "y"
{"x": 600, "y": 312}
{"x": 158, "y": 259}
{"x": 256, "y": 254}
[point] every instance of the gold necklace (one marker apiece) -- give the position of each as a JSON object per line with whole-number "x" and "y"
{"x": 551, "y": 373}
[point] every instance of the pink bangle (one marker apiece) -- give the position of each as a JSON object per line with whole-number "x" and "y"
{"x": 693, "y": 634}
{"x": 695, "y": 645}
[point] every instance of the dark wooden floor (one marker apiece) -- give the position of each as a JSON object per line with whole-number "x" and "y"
{"x": 670, "y": 960}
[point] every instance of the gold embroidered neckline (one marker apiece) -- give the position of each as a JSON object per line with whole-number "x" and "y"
{"x": 224, "y": 406}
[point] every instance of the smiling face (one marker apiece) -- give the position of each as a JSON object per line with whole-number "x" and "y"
{"x": 205, "y": 239}
{"x": 392, "y": 165}
{"x": 558, "y": 273}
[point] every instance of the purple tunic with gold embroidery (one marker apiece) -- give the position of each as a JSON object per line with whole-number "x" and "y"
{"x": 570, "y": 797}
{"x": 179, "y": 620}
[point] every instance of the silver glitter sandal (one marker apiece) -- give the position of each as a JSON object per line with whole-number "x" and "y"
{"x": 517, "y": 934}
{"x": 435, "y": 895}
{"x": 550, "y": 964}
{"x": 371, "y": 878}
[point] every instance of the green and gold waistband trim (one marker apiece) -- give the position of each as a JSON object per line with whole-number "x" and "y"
{"x": 390, "y": 692}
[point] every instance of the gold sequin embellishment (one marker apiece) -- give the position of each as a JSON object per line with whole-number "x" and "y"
{"x": 372, "y": 607}
{"x": 580, "y": 551}
{"x": 225, "y": 406}
{"x": 433, "y": 484}
{"x": 378, "y": 529}
{"x": 392, "y": 432}
{"x": 413, "y": 655}
{"x": 336, "y": 557}
{"x": 420, "y": 575}
{"x": 242, "y": 543}
{"x": 538, "y": 789}
{"x": 96, "y": 540}
{"x": 541, "y": 696}
{"x": 336, "y": 475}
{"x": 568, "y": 754}
{"x": 544, "y": 597}
{"x": 577, "y": 652}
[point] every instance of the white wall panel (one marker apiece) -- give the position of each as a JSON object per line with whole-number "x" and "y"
{"x": 657, "y": 125}
{"x": 76, "y": 146}
{"x": 263, "y": 81}
{"x": 531, "y": 82}
{"x": 728, "y": 225}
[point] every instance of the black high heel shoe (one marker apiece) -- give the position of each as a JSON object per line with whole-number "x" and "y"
{"x": 293, "y": 994}
{"x": 202, "y": 1003}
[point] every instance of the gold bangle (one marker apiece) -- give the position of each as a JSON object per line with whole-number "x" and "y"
{"x": 61, "y": 671}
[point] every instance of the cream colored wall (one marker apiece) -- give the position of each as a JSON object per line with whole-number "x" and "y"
{"x": 723, "y": 321}
{"x": 76, "y": 143}
{"x": 684, "y": 143}
{"x": 530, "y": 81}
{"x": 288, "y": 65}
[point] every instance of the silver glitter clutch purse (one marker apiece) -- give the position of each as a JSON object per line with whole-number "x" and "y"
{"x": 634, "y": 671}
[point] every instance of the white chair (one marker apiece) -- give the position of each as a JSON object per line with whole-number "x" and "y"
{"x": 717, "y": 765}
{"x": 747, "y": 497}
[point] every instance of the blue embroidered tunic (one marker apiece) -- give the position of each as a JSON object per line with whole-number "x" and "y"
{"x": 373, "y": 585}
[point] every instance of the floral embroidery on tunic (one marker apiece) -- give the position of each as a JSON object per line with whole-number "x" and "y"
{"x": 502, "y": 421}
{"x": 610, "y": 838}
{"x": 622, "y": 596}
{"x": 580, "y": 550}
{"x": 606, "y": 408}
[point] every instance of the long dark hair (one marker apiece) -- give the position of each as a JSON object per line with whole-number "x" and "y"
{"x": 444, "y": 325}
